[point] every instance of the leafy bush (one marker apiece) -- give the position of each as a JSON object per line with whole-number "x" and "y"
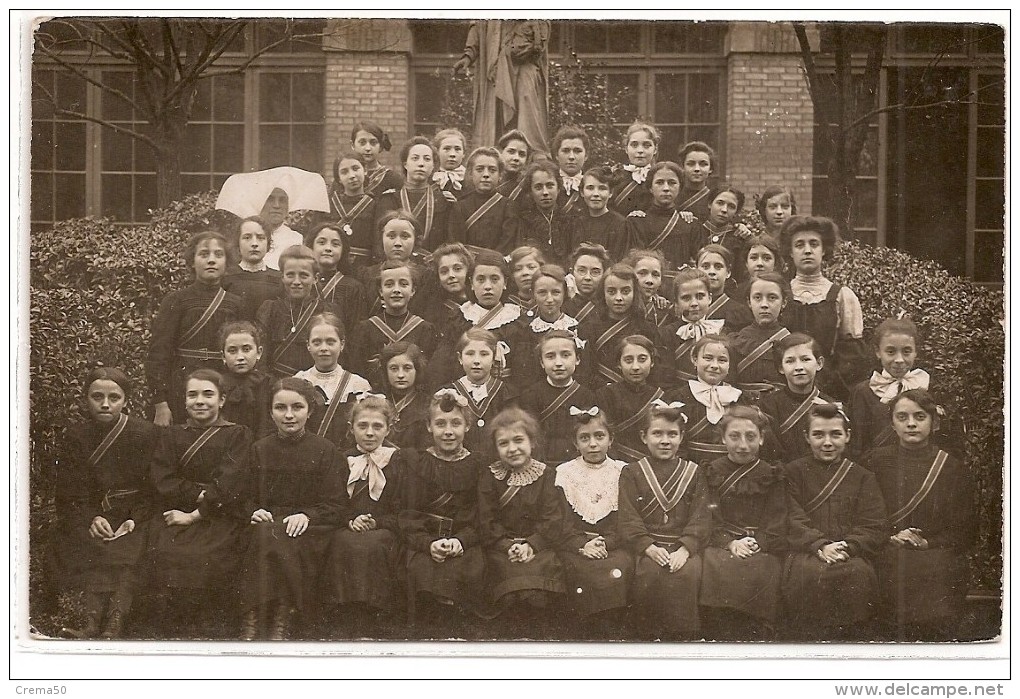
{"x": 963, "y": 348}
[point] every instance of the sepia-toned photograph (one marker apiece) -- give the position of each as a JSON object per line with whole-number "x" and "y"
{"x": 574, "y": 330}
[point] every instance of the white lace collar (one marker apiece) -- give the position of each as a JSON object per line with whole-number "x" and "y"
{"x": 472, "y": 313}
{"x": 526, "y": 476}
{"x": 564, "y": 322}
{"x": 593, "y": 491}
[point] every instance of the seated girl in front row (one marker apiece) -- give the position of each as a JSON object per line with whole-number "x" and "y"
{"x": 598, "y": 568}
{"x": 438, "y": 525}
{"x": 837, "y": 526}
{"x": 665, "y": 522}
{"x": 922, "y": 569}
{"x": 521, "y": 523}
{"x": 293, "y": 501}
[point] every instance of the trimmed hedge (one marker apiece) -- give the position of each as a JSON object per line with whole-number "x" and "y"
{"x": 95, "y": 287}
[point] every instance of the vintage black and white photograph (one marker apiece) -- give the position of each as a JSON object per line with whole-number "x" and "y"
{"x": 515, "y": 329}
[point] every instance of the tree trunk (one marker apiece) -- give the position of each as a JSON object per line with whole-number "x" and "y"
{"x": 169, "y": 134}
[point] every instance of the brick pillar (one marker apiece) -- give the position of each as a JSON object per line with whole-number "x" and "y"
{"x": 770, "y": 120}
{"x": 367, "y": 77}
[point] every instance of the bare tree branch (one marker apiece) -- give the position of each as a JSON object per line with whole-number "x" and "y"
{"x": 814, "y": 87}
{"x": 147, "y": 140}
{"x": 92, "y": 81}
{"x": 906, "y": 107}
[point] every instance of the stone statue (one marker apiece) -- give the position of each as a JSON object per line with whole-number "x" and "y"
{"x": 511, "y": 59}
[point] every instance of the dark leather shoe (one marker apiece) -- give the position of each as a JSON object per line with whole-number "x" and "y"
{"x": 250, "y": 625}
{"x": 114, "y": 624}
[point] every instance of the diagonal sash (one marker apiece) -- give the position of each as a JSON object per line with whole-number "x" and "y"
{"x": 610, "y": 333}
{"x": 830, "y": 487}
{"x": 800, "y": 412}
{"x": 355, "y": 211}
{"x": 684, "y": 348}
{"x": 694, "y": 198}
{"x": 331, "y": 285}
{"x": 761, "y": 349}
{"x": 516, "y": 191}
{"x": 409, "y": 325}
{"x": 625, "y": 192}
{"x": 204, "y": 319}
{"x": 99, "y": 452}
{"x": 585, "y": 311}
{"x": 678, "y": 483}
{"x": 439, "y": 502}
{"x": 298, "y": 328}
{"x": 375, "y": 178}
{"x": 560, "y": 401}
{"x": 670, "y": 225}
{"x": 734, "y": 478}
{"x": 708, "y": 447}
{"x": 492, "y": 313}
{"x": 716, "y": 305}
{"x": 189, "y": 454}
{"x": 571, "y": 200}
{"x": 334, "y": 404}
{"x": 492, "y": 385}
{"x": 639, "y": 415}
{"x": 482, "y": 210}
{"x": 508, "y": 495}
{"x": 427, "y": 202}
{"x": 405, "y": 401}
{"x": 929, "y": 481}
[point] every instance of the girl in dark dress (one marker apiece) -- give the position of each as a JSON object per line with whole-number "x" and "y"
{"x": 717, "y": 262}
{"x": 706, "y": 397}
{"x": 588, "y": 262}
{"x": 514, "y": 153}
{"x": 445, "y": 287}
{"x": 538, "y": 220}
{"x": 354, "y": 212}
{"x": 104, "y": 502}
{"x": 199, "y": 471}
{"x": 451, "y": 147}
{"x": 630, "y": 191}
{"x": 549, "y": 399}
{"x": 438, "y": 525}
{"x": 757, "y": 370}
{"x": 334, "y": 283}
{"x": 627, "y": 402}
{"x": 418, "y": 195}
{"x": 650, "y": 268}
{"x": 185, "y": 330}
{"x": 665, "y": 522}
{"x": 692, "y": 299}
{"x": 477, "y": 219}
{"x": 402, "y": 373}
{"x": 367, "y": 140}
{"x": 660, "y": 226}
{"x": 698, "y": 161}
{"x": 837, "y": 527}
{"x": 293, "y": 501}
{"x": 618, "y": 315}
{"x": 743, "y": 562}
{"x": 250, "y": 279}
{"x": 721, "y": 227}
{"x": 569, "y": 148}
{"x": 923, "y": 566}
{"x": 776, "y": 205}
{"x": 524, "y": 263}
{"x": 521, "y": 522}
{"x": 363, "y": 566}
{"x": 596, "y": 223}
{"x": 762, "y": 255}
{"x": 245, "y": 386}
{"x": 598, "y": 568}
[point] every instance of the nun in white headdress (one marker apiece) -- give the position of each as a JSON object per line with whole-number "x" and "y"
{"x": 272, "y": 194}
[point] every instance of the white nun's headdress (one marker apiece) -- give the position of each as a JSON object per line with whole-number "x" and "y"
{"x": 245, "y": 194}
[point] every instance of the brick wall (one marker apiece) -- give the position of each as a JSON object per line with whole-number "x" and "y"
{"x": 366, "y": 78}
{"x": 770, "y": 118}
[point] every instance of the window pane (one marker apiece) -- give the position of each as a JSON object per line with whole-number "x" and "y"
{"x": 201, "y": 110}
{"x": 670, "y": 98}
{"x": 42, "y": 145}
{"x": 624, "y": 37}
{"x": 274, "y": 96}
{"x": 709, "y": 135}
{"x": 117, "y": 197}
{"x": 307, "y": 148}
{"x": 145, "y": 158}
{"x": 673, "y": 137}
{"x": 428, "y": 97}
{"x": 445, "y": 37}
{"x": 988, "y": 257}
{"x": 990, "y": 40}
{"x": 689, "y": 37}
{"x": 70, "y": 145}
{"x": 274, "y": 146}
{"x": 991, "y": 99}
{"x": 42, "y": 91}
{"x": 42, "y": 197}
{"x": 990, "y": 152}
{"x": 308, "y": 98}
{"x": 298, "y": 36}
{"x": 145, "y": 196}
{"x": 70, "y": 92}
{"x": 195, "y": 148}
{"x": 228, "y": 98}
{"x": 703, "y": 90}
{"x": 820, "y": 196}
{"x": 191, "y": 184}
{"x": 623, "y": 89}
{"x": 117, "y": 151}
{"x": 933, "y": 38}
{"x": 70, "y": 198}
{"x": 867, "y": 163}
{"x": 865, "y": 207}
{"x": 228, "y": 148}
{"x": 589, "y": 37}
{"x": 991, "y": 201}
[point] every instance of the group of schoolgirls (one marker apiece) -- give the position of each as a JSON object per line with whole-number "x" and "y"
{"x": 633, "y": 449}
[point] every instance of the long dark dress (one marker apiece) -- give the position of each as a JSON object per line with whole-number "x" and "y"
{"x": 548, "y": 404}
{"x": 487, "y": 230}
{"x": 666, "y": 604}
{"x": 346, "y": 293}
{"x": 428, "y": 205}
{"x": 661, "y": 228}
{"x": 363, "y": 567}
{"x": 286, "y": 329}
{"x": 369, "y": 337}
{"x": 550, "y": 234}
{"x": 117, "y": 488}
{"x": 247, "y": 401}
{"x": 534, "y": 514}
{"x": 702, "y": 439}
{"x": 626, "y": 194}
{"x": 334, "y": 398}
{"x": 410, "y": 429}
{"x": 923, "y": 591}
{"x": 290, "y": 476}
{"x": 356, "y": 216}
{"x": 382, "y": 180}
{"x": 819, "y": 597}
{"x": 253, "y": 288}
{"x": 440, "y": 502}
{"x": 695, "y": 199}
{"x": 204, "y": 554}
{"x": 170, "y": 360}
{"x": 626, "y": 405}
{"x": 752, "y": 505}
{"x": 594, "y": 585}
{"x": 736, "y": 313}
{"x": 602, "y": 336}
{"x": 761, "y": 375}
{"x": 609, "y": 230}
